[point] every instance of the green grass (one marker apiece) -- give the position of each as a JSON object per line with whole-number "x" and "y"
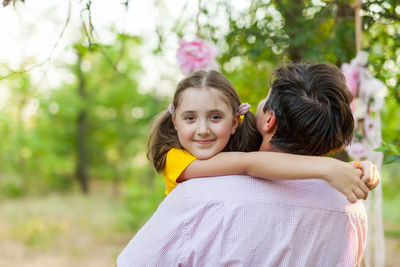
{"x": 72, "y": 229}
{"x": 42, "y": 221}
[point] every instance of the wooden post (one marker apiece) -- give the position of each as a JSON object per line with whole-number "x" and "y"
{"x": 197, "y": 18}
{"x": 358, "y": 24}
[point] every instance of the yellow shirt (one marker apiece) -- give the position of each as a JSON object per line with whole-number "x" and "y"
{"x": 176, "y": 162}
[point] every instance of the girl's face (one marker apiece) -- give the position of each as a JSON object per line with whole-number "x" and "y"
{"x": 204, "y": 121}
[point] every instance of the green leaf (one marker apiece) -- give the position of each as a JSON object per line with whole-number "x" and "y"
{"x": 391, "y": 159}
{"x": 381, "y": 149}
{"x": 394, "y": 148}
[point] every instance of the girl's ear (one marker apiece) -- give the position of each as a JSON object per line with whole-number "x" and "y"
{"x": 236, "y": 120}
{"x": 173, "y": 121}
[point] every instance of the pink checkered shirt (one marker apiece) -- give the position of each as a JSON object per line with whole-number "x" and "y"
{"x": 245, "y": 221}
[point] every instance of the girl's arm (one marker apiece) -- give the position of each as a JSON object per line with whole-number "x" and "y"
{"x": 277, "y": 166}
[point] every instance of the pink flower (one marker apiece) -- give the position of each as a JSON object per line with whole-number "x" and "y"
{"x": 372, "y": 88}
{"x": 196, "y": 55}
{"x": 369, "y": 126}
{"x": 357, "y": 151}
{"x": 351, "y": 74}
{"x": 360, "y": 108}
{"x": 361, "y": 59}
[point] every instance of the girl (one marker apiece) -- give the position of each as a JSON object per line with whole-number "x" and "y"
{"x": 206, "y": 118}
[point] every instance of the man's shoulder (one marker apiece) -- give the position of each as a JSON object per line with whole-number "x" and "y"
{"x": 314, "y": 193}
{"x": 223, "y": 183}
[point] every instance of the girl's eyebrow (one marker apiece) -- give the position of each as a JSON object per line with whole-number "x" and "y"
{"x": 188, "y": 112}
{"x": 195, "y": 112}
{"x": 215, "y": 110}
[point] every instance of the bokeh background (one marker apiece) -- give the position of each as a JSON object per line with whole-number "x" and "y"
{"x": 80, "y": 82}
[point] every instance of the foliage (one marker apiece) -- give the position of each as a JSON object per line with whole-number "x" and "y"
{"x": 118, "y": 113}
{"x": 141, "y": 199}
{"x": 40, "y": 150}
{"x": 393, "y": 150}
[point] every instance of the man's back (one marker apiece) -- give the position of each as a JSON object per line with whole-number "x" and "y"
{"x": 243, "y": 221}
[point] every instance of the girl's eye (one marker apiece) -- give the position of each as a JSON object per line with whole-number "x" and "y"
{"x": 189, "y": 118}
{"x": 215, "y": 117}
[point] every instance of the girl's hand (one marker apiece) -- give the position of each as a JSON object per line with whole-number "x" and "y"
{"x": 347, "y": 179}
{"x": 370, "y": 174}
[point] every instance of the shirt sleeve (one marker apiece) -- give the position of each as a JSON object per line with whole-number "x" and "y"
{"x": 176, "y": 162}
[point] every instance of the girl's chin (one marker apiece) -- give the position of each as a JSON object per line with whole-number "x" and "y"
{"x": 204, "y": 156}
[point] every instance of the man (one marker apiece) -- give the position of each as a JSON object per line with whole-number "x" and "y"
{"x": 237, "y": 221}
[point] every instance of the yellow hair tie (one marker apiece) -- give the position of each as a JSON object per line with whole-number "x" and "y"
{"x": 241, "y": 119}
{"x": 242, "y": 110}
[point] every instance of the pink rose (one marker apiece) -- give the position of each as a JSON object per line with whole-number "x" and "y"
{"x": 372, "y": 88}
{"x": 357, "y": 151}
{"x": 360, "y": 108}
{"x": 196, "y": 55}
{"x": 351, "y": 74}
{"x": 370, "y": 126}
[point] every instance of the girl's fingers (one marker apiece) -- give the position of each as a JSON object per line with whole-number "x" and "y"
{"x": 367, "y": 169}
{"x": 351, "y": 197}
{"x": 364, "y": 188}
{"x": 372, "y": 182}
{"x": 358, "y": 193}
{"x": 370, "y": 178}
{"x": 376, "y": 179}
{"x": 370, "y": 175}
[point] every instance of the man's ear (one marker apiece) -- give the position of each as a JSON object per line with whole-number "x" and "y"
{"x": 270, "y": 121}
{"x": 235, "y": 123}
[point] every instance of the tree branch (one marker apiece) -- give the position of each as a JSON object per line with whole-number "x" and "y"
{"x": 89, "y": 27}
{"x": 49, "y": 58}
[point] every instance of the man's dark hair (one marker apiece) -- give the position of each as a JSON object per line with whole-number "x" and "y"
{"x": 311, "y": 103}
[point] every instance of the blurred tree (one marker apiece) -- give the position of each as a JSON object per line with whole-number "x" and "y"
{"x": 112, "y": 113}
{"x": 96, "y": 122}
{"x": 81, "y": 163}
{"x": 15, "y": 125}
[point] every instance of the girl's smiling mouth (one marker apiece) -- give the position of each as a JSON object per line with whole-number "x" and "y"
{"x": 204, "y": 142}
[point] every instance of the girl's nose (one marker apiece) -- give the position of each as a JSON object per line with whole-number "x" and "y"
{"x": 203, "y": 128}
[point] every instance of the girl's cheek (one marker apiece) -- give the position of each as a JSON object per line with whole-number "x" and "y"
{"x": 225, "y": 131}
{"x": 187, "y": 130}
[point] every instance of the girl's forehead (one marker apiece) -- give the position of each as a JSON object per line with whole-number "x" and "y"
{"x": 202, "y": 92}
{"x": 208, "y": 96}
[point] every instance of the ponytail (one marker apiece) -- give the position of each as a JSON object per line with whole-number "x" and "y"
{"x": 246, "y": 138}
{"x": 162, "y": 138}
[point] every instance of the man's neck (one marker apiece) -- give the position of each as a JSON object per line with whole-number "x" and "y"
{"x": 266, "y": 146}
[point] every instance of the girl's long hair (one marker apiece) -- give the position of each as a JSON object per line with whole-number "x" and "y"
{"x": 163, "y": 135}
